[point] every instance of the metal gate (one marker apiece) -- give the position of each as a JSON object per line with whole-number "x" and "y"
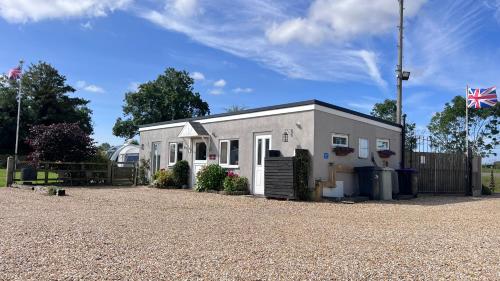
{"x": 123, "y": 173}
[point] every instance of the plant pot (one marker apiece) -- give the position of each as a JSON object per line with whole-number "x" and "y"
{"x": 342, "y": 151}
{"x": 384, "y": 154}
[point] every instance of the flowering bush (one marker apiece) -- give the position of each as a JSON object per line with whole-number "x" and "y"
{"x": 233, "y": 182}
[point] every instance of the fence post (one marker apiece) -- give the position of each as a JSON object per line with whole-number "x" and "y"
{"x": 110, "y": 170}
{"x": 10, "y": 171}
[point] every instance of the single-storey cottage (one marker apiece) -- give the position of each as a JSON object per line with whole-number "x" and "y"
{"x": 241, "y": 140}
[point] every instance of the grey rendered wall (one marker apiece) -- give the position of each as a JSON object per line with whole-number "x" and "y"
{"x": 245, "y": 131}
{"x": 326, "y": 124}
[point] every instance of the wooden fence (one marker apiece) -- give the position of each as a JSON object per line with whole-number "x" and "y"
{"x": 73, "y": 173}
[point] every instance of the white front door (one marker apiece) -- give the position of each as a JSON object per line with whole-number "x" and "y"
{"x": 199, "y": 158}
{"x": 262, "y": 146}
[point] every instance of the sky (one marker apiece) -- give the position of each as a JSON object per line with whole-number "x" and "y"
{"x": 256, "y": 52}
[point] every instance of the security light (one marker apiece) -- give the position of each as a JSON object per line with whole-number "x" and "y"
{"x": 406, "y": 75}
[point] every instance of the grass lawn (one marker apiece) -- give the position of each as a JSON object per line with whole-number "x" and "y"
{"x": 2, "y": 177}
{"x": 41, "y": 176}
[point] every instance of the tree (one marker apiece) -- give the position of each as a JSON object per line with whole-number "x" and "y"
{"x": 169, "y": 97}
{"x": 65, "y": 142}
{"x": 44, "y": 101}
{"x": 447, "y": 128}
{"x": 386, "y": 110}
{"x": 235, "y": 108}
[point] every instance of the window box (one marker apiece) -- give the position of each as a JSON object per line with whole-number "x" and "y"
{"x": 386, "y": 153}
{"x": 342, "y": 151}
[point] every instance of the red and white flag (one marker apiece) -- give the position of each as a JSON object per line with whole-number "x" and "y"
{"x": 14, "y": 73}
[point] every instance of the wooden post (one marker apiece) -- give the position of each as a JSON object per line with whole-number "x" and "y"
{"x": 110, "y": 169}
{"x": 46, "y": 173}
{"x": 10, "y": 171}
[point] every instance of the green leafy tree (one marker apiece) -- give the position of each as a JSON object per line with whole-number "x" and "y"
{"x": 447, "y": 128}
{"x": 386, "y": 110}
{"x": 235, "y": 108}
{"x": 169, "y": 97}
{"x": 45, "y": 100}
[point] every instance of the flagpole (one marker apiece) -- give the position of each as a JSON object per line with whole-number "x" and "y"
{"x": 18, "y": 113}
{"x": 466, "y": 121}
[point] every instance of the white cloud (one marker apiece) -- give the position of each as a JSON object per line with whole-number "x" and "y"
{"x": 242, "y": 90}
{"x": 341, "y": 20}
{"x": 197, "y": 76}
{"x": 82, "y": 85}
{"x": 22, "y": 11}
{"x": 86, "y": 26}
{"x": 184, "y": 8}
{"x": 216, "y": 91}
{"x": 220, "y": 83}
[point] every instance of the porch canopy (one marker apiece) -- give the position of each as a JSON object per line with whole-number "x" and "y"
{"x": 196, "y": 130}
{"x": 192, "y": 130}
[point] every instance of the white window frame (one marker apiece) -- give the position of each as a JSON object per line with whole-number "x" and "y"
{"x": 228, "y": 154}
{"x": 362, "y": 149}
{"x": 176, "y": 146}
{"x": 335, "y": 135}
{"x": 385, "y": 141}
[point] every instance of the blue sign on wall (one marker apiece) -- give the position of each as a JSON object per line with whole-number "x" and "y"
{"x": 326, "y": 155}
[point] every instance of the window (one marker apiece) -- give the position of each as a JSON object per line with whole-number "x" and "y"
{"x": 175, "y": 153}
{"x": 340, "y": 140}
{"x": 382, "y": 144}
{"x": 229, "y": 152}
{"x": 155, "y": 157}
{"x": 363, "y": 148}
{"x": 201, "y": 151}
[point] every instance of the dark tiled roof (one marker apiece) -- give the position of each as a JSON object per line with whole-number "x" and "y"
{"x": 281, "y": 106}
{"x": 199, "y": 129}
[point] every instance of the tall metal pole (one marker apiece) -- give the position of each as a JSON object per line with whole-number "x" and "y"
{"x": 400, "y": 66}
{"x": 18, "y": 113}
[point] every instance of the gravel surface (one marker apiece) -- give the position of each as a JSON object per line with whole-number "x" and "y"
{"x": 141, "y": 233}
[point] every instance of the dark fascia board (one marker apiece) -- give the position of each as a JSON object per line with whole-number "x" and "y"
{"x": 281, "y": 106}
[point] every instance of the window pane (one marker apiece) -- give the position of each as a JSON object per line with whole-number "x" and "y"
{"x": 223, "y": 152}
{"x": 267, "y": 148}
{"x": 259, "y": 152}
{"x": 339, "y": 140}
{"x": 179, "y": 151}
{"x": 382, "y": 144}
{"x": 363, "y": 148}
{"x": 234, "y": 154}
{"x": 172, "y": 153}
{"x": 201, "y": 151}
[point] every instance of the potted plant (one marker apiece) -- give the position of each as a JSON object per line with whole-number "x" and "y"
{"x": 386, "y": 153}
{"x": 342, "y": 151}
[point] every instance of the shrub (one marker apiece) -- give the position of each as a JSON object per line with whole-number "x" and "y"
{"x": 210, "y": 177}
{"x": 51, "y": 190}
{"x": 163, "y": 179}
{"x": 492, "y": 182}
{"x": 486, "y": 190}
{"x": 143, "y": 172}
{"x": 181, "y": 173}
{"x": 235, "y": 183}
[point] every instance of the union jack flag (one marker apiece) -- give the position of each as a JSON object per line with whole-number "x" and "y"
{"x": 14, "y": 73}
{"x": 480, "y": 98}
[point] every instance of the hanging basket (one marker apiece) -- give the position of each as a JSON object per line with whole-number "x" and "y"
{"x": 385, "y": 153}
{"x": 342, "y": 151}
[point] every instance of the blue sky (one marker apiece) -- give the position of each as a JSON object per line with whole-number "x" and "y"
{"x": 256, "y": 52}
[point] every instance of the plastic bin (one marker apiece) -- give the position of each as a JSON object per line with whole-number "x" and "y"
{"x": 368, "y": 180}
{"x": 407, "y": 179}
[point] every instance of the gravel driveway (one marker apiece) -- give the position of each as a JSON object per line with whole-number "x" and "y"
{"x": 141, "y": 233}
